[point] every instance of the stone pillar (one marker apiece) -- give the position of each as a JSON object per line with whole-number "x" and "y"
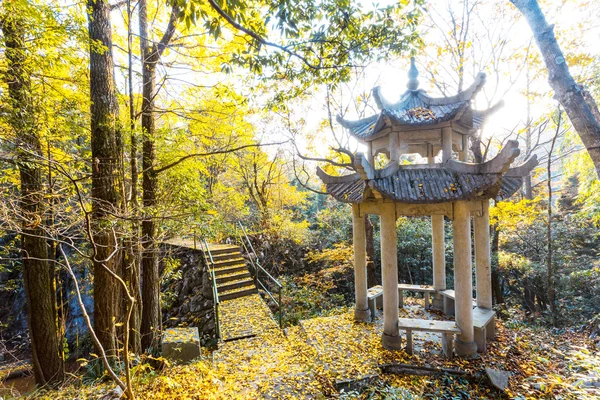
{"x": 391, "y": 339}
{"x": 464, "y": 151}
{"x": 430, "y": 155}
{"x": 370, "y": 156}
{"x": 361, "y": 310}
{"x": 483, "y": 272}
{"x": 439, "y": 259}
{"x": 463, "y": 285}
{"x": 394, "y": 147}
{"x": 446, "y": 143}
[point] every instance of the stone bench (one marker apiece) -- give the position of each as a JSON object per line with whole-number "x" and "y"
{"x": 374, "y": 297}
{"x": 449, "y": 296}
{"x": 484, "y": 326}
{"x": 181, "y": 344}
{"x": 447, "y": 328}
{"x": 426, "y": 290}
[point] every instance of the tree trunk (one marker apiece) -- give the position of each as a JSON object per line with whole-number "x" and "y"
{"x": 496, "y": 284}
{"x": 566, "y": 90}
{"x": 528, "y": 185}
{"x": 371, "y": 272}
{"x": 150, "y": 274}
{"x": 550, "y": 261}
{"x": 37, "y": 274}
{"x": 105, "y": 201}
{"x": 151, "y": 319}
{"x": 133, "y": 253}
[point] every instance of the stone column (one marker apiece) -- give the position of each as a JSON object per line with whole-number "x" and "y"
{"x": 446, "y": 143}
{"x": 463, "y": 276}
{"x": 439, "y": 259}
{"x": 361, "y": 310}
{"x": 483, "y": 272}
{"x": 370, "y": 156}
{"x": 394, "y": 147}
{"x": 389, "y": 277}
{"x": 464, "y": 151}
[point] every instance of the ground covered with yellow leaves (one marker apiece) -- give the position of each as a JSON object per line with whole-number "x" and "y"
{"x": 335, "y": 357}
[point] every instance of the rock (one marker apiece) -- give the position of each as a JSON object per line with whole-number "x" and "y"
{"x": 498, "y": 377}
{"x": 114, "y": 394}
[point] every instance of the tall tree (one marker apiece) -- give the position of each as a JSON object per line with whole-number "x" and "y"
{"x": 37, "y": 274}
{"x": 151, "y": 55}
{"x": 568, "y": 92}
{"x": 105, "y": 193}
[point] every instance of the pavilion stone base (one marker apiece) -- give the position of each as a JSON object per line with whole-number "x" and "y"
{"x": 393, "y": 342}
{"x": 362, "y": 315}
{"x": 465, "y": 349}
{"x": 437, "y": 303}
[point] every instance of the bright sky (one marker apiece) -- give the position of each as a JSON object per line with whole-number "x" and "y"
{"x": 496, "y": 21}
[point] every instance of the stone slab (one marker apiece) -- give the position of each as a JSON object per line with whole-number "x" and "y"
{"x": 482, "y": 316}
{"x": 428, "y": 325}
{"x": 181, "y": 344}
{"x": 416, "y": 288}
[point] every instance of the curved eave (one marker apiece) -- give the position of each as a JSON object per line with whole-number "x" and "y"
{"x": 348, "y": 192}
{"x": 497, "y": 165}
{"x": 362, "y": 128}
{"x": 510, "y": 185}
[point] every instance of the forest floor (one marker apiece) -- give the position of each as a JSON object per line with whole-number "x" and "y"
{"x": 335, "y": 357}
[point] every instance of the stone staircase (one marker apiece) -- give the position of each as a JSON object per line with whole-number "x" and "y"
{"x": 231, "y": 272}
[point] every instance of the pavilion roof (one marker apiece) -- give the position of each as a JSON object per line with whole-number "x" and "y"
{"x": 417, "y": 108}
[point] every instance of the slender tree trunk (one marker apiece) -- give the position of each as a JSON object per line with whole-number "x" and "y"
{"x": 105, "y": 201}
{"x": 496, "y": 282}
{"x": 37, "y": 274}
{"x": 150, "y": 274}
{"x": 151, "y": 319}
{"x": 550, "y": 276}
{"x": 528, "y": 185}
{"x": 566, "y": 90}
{"x": 133, "y": 253}
{"x": 371, "y": 272}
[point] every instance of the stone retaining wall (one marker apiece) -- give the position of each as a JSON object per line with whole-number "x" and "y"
{"x": 187, "y": 291}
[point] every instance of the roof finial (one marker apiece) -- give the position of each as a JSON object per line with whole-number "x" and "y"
{"x": 413, "y": 73}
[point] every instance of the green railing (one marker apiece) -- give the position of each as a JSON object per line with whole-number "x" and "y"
{"x": 213, "y": 280}
{"x": 258, "y": 270}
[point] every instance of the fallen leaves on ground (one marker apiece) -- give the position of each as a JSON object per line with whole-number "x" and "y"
{"x": 309, "y": 359}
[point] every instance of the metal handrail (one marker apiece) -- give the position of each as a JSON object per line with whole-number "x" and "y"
{"x": 213, "y": 279}
{"x": 257, "y": 267}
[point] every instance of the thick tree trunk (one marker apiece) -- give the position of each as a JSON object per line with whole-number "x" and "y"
{"x": 566, "y": 90}
{"x": 105, "y": 201}
{"x": 37, "y": 274}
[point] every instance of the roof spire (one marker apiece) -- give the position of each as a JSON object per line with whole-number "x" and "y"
{"x": 413, "y": 73}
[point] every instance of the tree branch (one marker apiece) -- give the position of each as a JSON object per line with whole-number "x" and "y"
{"x": 212, "y": 153}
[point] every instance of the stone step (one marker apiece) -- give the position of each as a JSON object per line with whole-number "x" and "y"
{"x": 225, "y": 256}
{"x": 230, "y": 269}
{"x": 235, "y": 293}
{"x": 232, "y": 277}
{"x": 224, "y": 287}
{"x": 231, "y": 261}
{"x": 223, "y": 249}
